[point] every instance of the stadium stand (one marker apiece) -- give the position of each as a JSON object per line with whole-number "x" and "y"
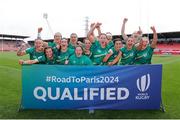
{"x": 173, "y": 48}
{"x": 11, "y": 42}
{"x": 168, "y": 42}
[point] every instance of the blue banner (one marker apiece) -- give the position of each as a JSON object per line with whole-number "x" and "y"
{"x": 91, "y": 87}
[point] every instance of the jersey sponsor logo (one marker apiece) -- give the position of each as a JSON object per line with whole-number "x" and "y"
{"x": 131, "y": 54}
{"x": 126, "y": 56}
{"x": 145, "y": 55}
{"x": 99, "y": 51}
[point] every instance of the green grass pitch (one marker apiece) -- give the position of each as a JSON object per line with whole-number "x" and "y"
{"x": 10, "y": 94}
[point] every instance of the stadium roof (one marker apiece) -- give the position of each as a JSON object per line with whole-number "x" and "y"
{"x": 167, "y": 35}
{"x": 13, "y": 36}
{"x": 162, "y": 35}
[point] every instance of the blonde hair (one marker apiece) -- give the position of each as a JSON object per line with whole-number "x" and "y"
{"x": 58, "y": 34}
{"x": 145, "y": 38}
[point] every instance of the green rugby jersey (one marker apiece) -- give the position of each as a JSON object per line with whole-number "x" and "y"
{"x": 33, "y": 54}
{"x": 83, "y": 60}
{"x": 52, "y": 45}
{"x": 63, "y": 56}
{"x": 128, "y": 56}
{"x": 114, "y": 55}
{"x": 144, "y": 56}
{"x": 110, "y": 44}
{"x": 88, "y": 54}
{"x": 71, "y": 46}
{"x": 98, "y": 53}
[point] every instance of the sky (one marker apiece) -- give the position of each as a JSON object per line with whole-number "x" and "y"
{"x": 23, "y": 17}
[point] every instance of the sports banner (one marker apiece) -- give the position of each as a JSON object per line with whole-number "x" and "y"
{"x": 91, "y": 87}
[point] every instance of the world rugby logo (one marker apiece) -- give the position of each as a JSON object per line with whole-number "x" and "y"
{"x": 143, "y": 83}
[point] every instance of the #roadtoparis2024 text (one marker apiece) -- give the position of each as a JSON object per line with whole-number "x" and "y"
{"x": 83, "y": 79}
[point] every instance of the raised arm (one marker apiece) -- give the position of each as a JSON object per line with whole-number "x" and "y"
{"x": 155, "y": 37}
{"x": 98, "y": 28}
{"x": 45, "y": 44}
{"x": 125, "y": 37}
{"x": 138, "y": 35}
{"x": 39, "y": 32}
{"x": 92, "y": 28}
{"x": 138, "y": 38}
{"x": 91, "y": 32}
{"x": 140, "y": 31}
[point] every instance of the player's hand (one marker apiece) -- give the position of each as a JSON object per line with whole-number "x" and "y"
{"x": 110, "y": 63}
{"x": 153, "y": 29}
{"x": 21, "y": 62}
{"x": 40, "y": 29}
{"x": 66, "y": 62}
{"x": 125, "y": 20}
{"x": 98, "y": 24}
{"x": 139, "y": 31}
{"x": 79, "y": 43}
{"x": 92, "y": 25}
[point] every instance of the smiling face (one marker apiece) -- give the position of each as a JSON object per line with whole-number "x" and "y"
{"x": 145, "y": 41}
{"x": 118, "y": 44}
{"x": 130, "y": 42}
{"x": 38, "y": 44}
{"x": 57, "y": 38}
{"x": 73, "y": 38}
{"x": 87, "y": 44}
{"x": 49, "y": 52}
{"x": 78, "y": 51}
{"x": 64, "y": 43}
{"x": 103, "y": 40}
